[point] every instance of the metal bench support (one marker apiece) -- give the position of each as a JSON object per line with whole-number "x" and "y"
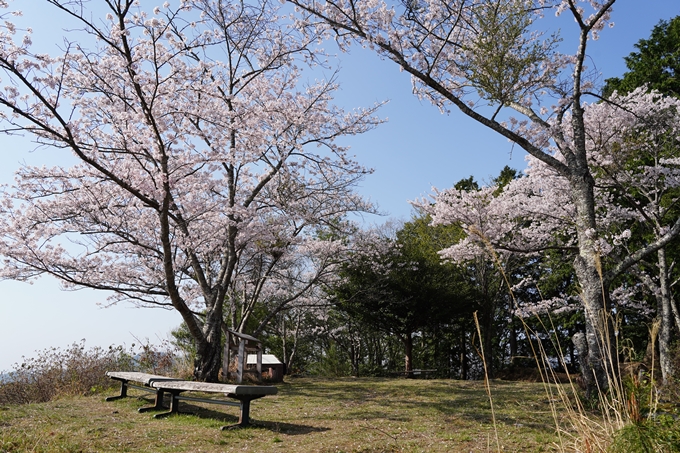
{"x": 243, "y": 404}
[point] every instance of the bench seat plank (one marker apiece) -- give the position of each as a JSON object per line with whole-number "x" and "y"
{"x": 227, "y": 389}
{"x": 146, "y": 379}
{"x": 143, "y": 378}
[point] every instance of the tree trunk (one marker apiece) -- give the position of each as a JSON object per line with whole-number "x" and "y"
{"x": 463, "y": 356}
{"x": 512, "y": 339}
{"x": 209, "y": 351}
{"x": 408, "y": 352}
{"x": 600, "y": 363}
{"x": 355, "y": 349}
{"x": 489, "y": 333}
{"x": 284, "y": 343}
{"x": 676, "y": 313}
{"x": 572, "y": 351}
{"x": 487, "y": 314}
{"x": 666, "y": 314}
{"x": 208, "y": 362}
{"x": 599, "y": 358}
{"x": 581, "y": 346}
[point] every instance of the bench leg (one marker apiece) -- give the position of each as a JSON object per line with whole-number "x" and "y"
{"x": 158, "y": 403}
{"x": 244, "y": 415}
{"x": 123, "y": 391}
{"x": 174, "y": 404}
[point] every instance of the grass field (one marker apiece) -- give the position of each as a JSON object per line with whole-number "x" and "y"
{"x": 308, "y": 415}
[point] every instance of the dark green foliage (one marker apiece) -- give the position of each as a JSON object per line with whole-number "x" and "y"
{"x": 656, "y": 63}
{"x": 467, "y": 184}
{"x": 402, "y": 286}
{"x": 650, "y": 435}
{"x": 183, "y": 341}
{"x": 401, "y": 299}
{"x": 332, "y": 364}
{"x": 506, "y": 175}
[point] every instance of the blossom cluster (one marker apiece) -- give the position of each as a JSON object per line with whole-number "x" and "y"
{"x": 206, "y": 167}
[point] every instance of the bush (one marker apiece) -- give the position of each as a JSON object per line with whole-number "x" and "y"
{"x": 649, "y": 428}
{"x": 55, "y": 372}
{"x": 77, "y": 371}
{"x": 652, "y": 435}
{"x": 332, "y": 364}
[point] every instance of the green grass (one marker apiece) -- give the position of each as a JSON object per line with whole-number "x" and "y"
{"x": 308, "y": 415}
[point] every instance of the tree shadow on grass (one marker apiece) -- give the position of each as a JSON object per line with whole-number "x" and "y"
{"x": 399, "y": 400}
{"x": 232, "y": 420}
{"x": 290, "y": 428}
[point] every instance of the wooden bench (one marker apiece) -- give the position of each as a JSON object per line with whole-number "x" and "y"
{"x": 415, "y": 374}
{"x": 243, "y": 393}
{"x": 126, "y": 377}
{"x": 160, "y": 385}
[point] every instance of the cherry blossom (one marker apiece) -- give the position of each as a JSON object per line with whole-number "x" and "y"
{"x": 200, "y": 152}
{"x": 632, "y": 144}
{"x": 492, "y": 60}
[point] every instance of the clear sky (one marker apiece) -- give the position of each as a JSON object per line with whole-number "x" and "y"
{"x": 417, "y": 149}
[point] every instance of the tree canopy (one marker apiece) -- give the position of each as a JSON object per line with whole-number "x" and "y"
{"x": 655, "y": 64}
{"x": 494, "y": 62}
{"x": 399, "y": 285}
{"x": 204, "y": 164}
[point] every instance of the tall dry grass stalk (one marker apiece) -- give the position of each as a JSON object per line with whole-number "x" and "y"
{"x": 487, "y": 385}
{"x": 654, "y": 335}
{"x": 583, "y": 426}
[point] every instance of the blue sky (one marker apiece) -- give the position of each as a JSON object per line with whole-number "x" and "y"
{"x": 417, "y": 148}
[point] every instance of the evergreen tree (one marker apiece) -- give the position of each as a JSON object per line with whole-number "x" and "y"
{"x": 655, "y": 64}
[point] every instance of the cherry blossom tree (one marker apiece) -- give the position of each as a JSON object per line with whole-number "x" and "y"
{"x": 276, "y": 279}
{"x": 197, "y": 148}
{"x": 639, "y": 160}
{"x": 490, "y": 60}
{"x": 632, "y": 145}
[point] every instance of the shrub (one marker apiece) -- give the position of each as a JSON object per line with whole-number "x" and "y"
{"x": 78, "y": 371}
{"x": 332, "y": 364}
{"x": 650, "y": 435}
{"x": 62, "y": 372}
